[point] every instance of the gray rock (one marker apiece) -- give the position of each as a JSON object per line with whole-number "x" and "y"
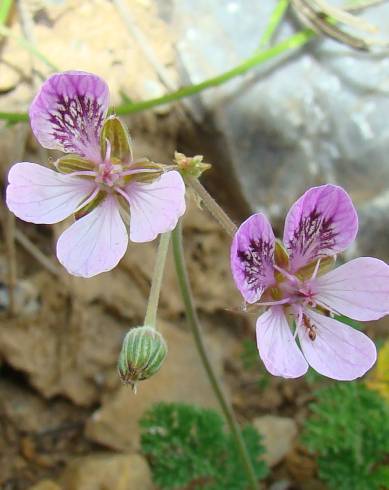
{"x": 318, "y": 116}
{"x": 103, "y": 471}
{"x": 279, "y": 434}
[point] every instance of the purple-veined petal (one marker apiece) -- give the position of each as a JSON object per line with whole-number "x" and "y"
{"x": 323, "y": 222}
{"x": 68, "y": 112}
{"x": 155, "y": 207}
{"x": 338, "y": 351}
{"x": 358, "y": 289}
{"x": 252, "y": 257}
{"x": 42, "y": 196}
{"x": 277, "y": 347}
{"x": 96, "y": 242}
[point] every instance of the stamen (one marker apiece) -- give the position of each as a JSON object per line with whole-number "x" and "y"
{"x": 88, "y": 200}
{"x": 123, "y": 194}
{"x": 139, "y": 171}
{"x": 316, "y": 270}
{"x": 83, "y": 173}
{"x": 286, "y": 274}
{"x": 274, "y": 303}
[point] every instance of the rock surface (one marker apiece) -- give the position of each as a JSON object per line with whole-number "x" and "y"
{"x": 181, "y": 378}
{"x": 108, "y": 472}
{"x": 45, "y": 485}
{"x": 313, "y": 118}
{"x": 279, "y": 434}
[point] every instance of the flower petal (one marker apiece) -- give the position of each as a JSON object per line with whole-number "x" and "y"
{"x": 94, "y": 243}
{"x": 252, "y": 257}
{"x": 42, "y": 196}
{"x": 277, "y": 346}
{"x": 338, "y": 351}
{"x": 155, "y": 207}
{"x": 321, "y": 223}
{"x": 68, "y": 112}
{"x": 358, "y": 289}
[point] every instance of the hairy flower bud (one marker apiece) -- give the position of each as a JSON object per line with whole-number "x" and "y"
{"x": 190, "y": 166}
{"x": 143, "y": 352}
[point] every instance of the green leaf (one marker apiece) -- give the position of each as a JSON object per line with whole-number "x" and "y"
{"x": 349, "y": 431}
{"x": 186, "y": 445}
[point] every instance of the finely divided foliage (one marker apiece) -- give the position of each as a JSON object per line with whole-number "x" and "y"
{"x": 188, "y": 447}
{"x": 293, "y": 283}
{"x": 98, "y": 181}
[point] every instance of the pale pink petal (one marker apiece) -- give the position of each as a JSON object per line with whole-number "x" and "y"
{"x": 94, "y": 243}
{"x": 252, "y": 257}
{"x": 358, "y": 289}
{"x": 68, "y": 112}
{"x": 43, "y": 196}
{"x": 277, "y": 346}
{"x": 338, "y": 351}
{"x": 323, "y": 222}
{"x": 155, "y": 207}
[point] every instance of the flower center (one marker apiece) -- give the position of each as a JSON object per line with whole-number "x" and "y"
{"x": 109, "y": 175}
{"x": 298, "y": 291}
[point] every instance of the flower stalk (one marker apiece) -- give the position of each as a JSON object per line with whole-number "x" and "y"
{"x": 213, "y": 207}
{"x": 193, "y": 321}
{"x": 152, "y": 304}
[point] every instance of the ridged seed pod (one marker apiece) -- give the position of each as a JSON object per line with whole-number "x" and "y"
{"x": 143, "y": 352}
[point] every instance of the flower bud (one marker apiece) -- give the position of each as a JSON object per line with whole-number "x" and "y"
{"x": 190, "y": 166}
{"x": 143, "y": 352}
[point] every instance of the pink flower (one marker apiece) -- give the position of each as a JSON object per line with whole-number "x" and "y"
{"x": 98, "y": 180}
{"x": 295, "y": 282}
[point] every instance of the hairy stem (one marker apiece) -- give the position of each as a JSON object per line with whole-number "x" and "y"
{"x": 213, "y": 207}
{"x": 152, "y": 304}
{"x": 193, "y": 321}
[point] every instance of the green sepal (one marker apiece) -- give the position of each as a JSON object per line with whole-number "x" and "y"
{"x": 73, "y": 163}
{"x": 117, "y": 134}
{"x": 326, "y": 265}
{"x": 145, "y": 177}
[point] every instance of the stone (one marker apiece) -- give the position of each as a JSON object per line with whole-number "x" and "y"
{"x": 279, "y": 434}
{"x": 104, "y": 32}
{"x": 300, "y": 120}
{"x": 46, "y": 485}
{"x": 107, "y": 472}
{"x": 64, "y": 348}
{"x": 180, "y": 379}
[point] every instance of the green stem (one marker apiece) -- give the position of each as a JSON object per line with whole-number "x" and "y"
{"x": 213, "y": 207}
{"x": 5, "y": 9}
{"x": 295, "y": 41}
{"x": 14, "y": 117}
{"x": 193, "y": 321}
{"x": 274, "y": 21}
{"x": 152, "y": 304}
{"x": 292, "y": 42}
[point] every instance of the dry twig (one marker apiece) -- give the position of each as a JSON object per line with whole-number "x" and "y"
{"x": 316, "y": 14}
